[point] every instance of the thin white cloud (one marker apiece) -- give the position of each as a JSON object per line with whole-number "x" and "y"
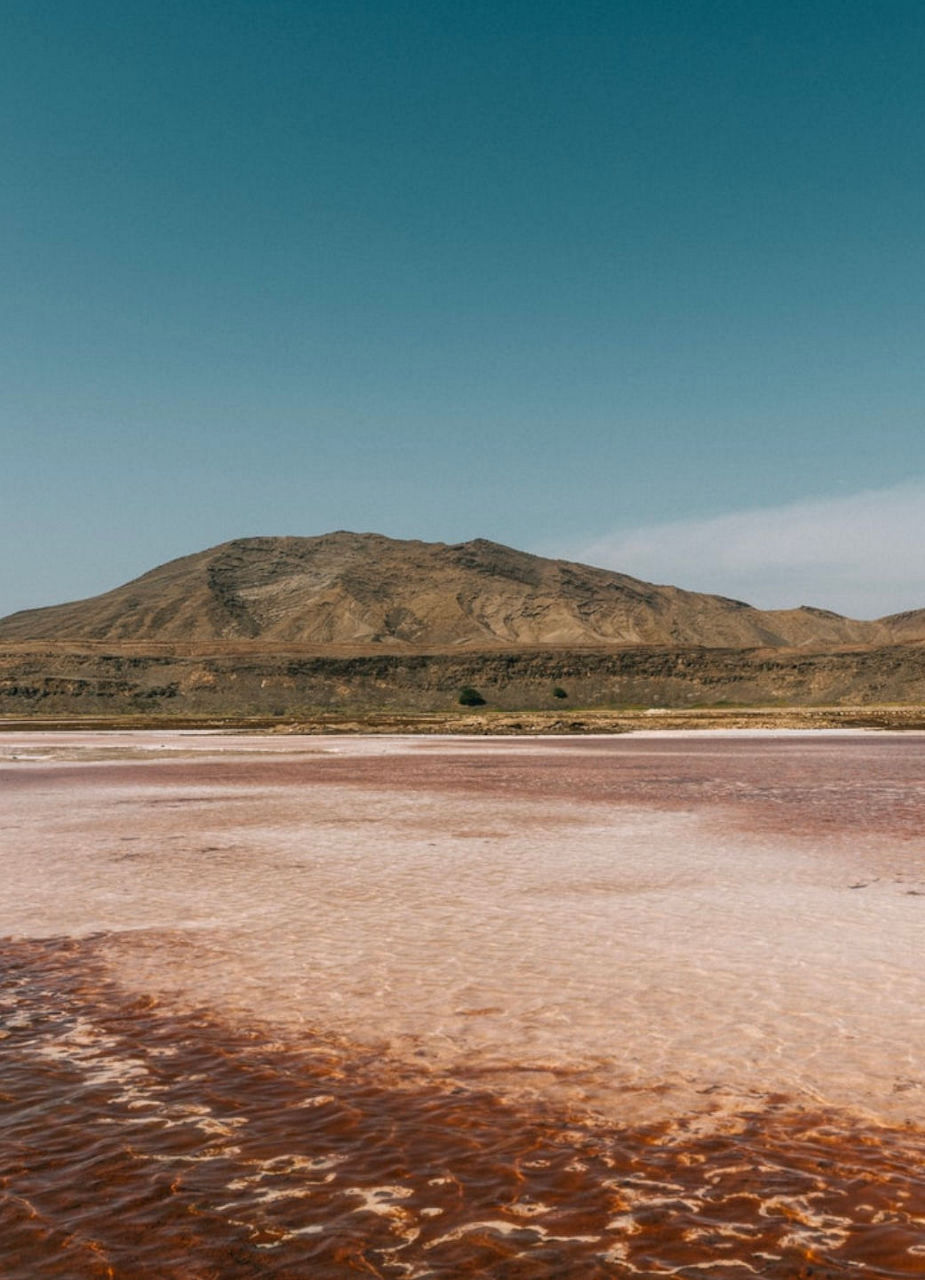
{"x": 862, "y": 555}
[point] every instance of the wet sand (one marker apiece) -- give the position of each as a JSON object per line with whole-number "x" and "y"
{"x": 648, "y": 1005}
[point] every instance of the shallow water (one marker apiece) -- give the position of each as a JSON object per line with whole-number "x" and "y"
{"x": 636, "y": 1006}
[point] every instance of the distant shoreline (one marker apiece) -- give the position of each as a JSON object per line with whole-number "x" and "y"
{"x": 503, "y": 723}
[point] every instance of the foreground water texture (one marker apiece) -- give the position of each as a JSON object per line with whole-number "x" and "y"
{"x": 317, "y": 1007}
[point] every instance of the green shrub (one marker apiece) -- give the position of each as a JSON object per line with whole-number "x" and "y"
{"x": 470, "y": 697}
{"x": 559, "y": 692}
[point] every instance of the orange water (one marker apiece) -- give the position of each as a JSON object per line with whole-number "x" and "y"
{"x": 137, "y": 1142}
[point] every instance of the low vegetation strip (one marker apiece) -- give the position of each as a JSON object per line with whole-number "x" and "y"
{"x": 489, "y": 722}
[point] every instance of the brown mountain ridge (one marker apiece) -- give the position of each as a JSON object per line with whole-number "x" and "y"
{"x": 344, "y": 591}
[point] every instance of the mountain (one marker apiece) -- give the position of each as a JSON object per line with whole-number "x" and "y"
{"x": 906, "y": 628}
{"x": 348, "y": 590}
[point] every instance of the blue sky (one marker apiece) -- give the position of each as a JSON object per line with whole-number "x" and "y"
{"x": 581, "y": 277}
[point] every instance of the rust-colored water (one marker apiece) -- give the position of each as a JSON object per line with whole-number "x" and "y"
{"x": 641, "y": 1008}
{"x": 136, "y": 1142}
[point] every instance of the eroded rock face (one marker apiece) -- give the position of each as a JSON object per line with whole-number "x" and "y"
{"x": 68, "y": 681}
{"x": 347, "y": 589}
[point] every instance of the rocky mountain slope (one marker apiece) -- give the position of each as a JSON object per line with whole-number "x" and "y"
{"x": 345, "y": 590}
{"x": 906, "y": 628}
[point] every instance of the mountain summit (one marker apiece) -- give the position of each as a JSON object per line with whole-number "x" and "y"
{"x": 362, "y": 589}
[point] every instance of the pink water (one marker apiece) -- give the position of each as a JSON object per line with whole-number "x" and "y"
{"x": 415, "y": 1007}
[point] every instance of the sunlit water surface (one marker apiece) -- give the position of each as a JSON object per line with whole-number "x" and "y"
{"x": 647, "y": 1005}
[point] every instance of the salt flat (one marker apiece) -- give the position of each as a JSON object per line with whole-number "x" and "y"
{"x": 638, "y": 926}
